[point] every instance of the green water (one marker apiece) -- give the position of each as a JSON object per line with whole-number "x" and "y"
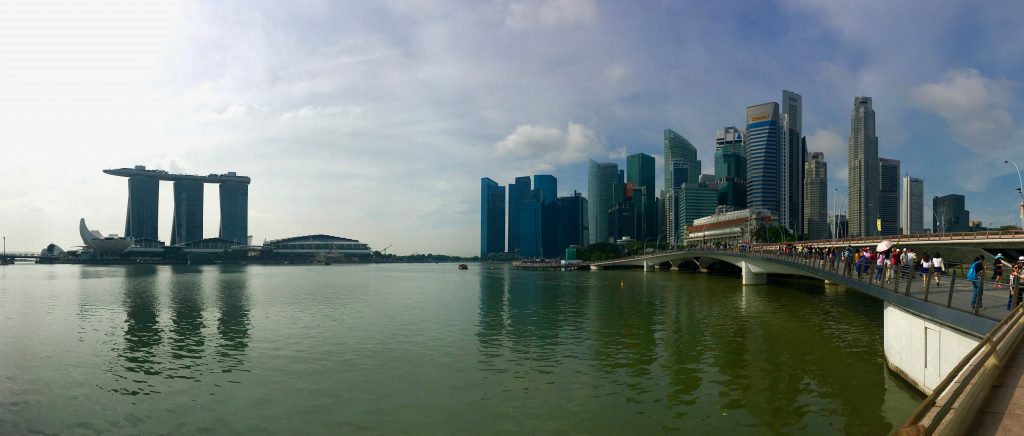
{"x": 402, "y": 349}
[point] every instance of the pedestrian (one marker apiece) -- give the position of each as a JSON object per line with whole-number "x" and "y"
{"x": 997, "y": 271}
{"x": 974, "y": 275}
{"x": 880, "y": 265}
{"x": 926, "y": 263}
{"x": 1012, "y": 284}
{"x": 938, "y": 267}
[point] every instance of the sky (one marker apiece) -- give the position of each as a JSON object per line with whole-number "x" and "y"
{"x": 376, "y": 120}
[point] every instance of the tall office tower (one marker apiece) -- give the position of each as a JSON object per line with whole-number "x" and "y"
{"x": 762, "y": 143}
{"x": 188, "y": 212}
{"x": 889, "y": 195}
{"x": 623, "y": 220}
{"x": 681, "y": 166}
{"x": 949, "y": 214}
{"x": 517, "y": 192}
{"x": 531, "y": 225}
{"x": 601, "y": 182}
{"x": 912, "y": 206}
{"x": 731, "y": 168}
{"x": 234, "y": 212}
{"x": 547, "y": 186}
{"x": 640, "y": 172}
{"x": 574, "y": 222}
{"x": 492, "y": 217}
{"x": 695, "y": 200}
{"x": 792, "y": 158}
{"x": 863, "y": 155}
{"x": 816, "y": 197}
{"x": 143, "y": 208}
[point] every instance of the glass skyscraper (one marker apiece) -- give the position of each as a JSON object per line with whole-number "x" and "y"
{"x": 188, "y": 212}
{"x": 517, "y": 192}
{"x": 950, "y": 214}
{"x": 792, "y": 159}
{"x": 492, "y": 217}
{"x": 234, "y": 212}
{"x": 681, "y": 166}
{"x": 863, "y": 157}
{"x": 640, "y": 173}
{"x": 731, "y": 168}
{"x": 143, "y": 208}
{"x": 695, "y": 200}
{"x": 547, "y": 191}
{"x": 889, "y": 195}
{"x": 601, "y": 182}
{"x": 574, "y": 222}
{"x": 815, "y": 197}
{"x": 912, "y": 210}
{"x": 763, "y": 146}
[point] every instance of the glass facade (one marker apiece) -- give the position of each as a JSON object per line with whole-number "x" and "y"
{"x": 234, "y": 212}
{"x": 574, "y": 223}
{"x": 531, "y": 226}
{"x": 188, "y": 212}
{"x": 763, "y": 147}
{"x": 731, "y": 168}
{"x": 681, "y": 166}
{"x": 863, "y": 160}
{"x": 492, "y": 217}
{"x": 547, "y": 192}
{"x": 912, "y": 209}
{"x": 815, "y": 214}
{"x": 950, "y": 214}
{"x": 517, "y": 192}
{"x": 889, "y": 195}
{"x": 143, "y": 208}
{"x": 601, "y": 181}
{"x": 696, "y": 200}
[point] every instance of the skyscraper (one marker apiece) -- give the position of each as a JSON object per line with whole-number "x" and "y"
{"x": 531, "y": 225}
{"x": 547, "y": 187}
{"x": 695, "y": 200}
{"x": 950, "y": 215}
{"x": 601, "y": 182}
{"x": 863, "y": 156}
{"x": 792, "y": 159}
{"x": 815, "y": 212}
{"x": 234, "y": 211}
{"x": 889, "y": 195}
{"x": 681, "y": 166}
{"x": 188, "y": 212}
{"x": 640, "y": 172}
{"x": 492, "y": 217}
{"x": 517, "y": 192}
{"x": 143, "y": 207}
{"x": 731, "y": 168}
{"x": 762, "y": 143}
{"x": 912, "y": 206}
{"x": 574, "y": 222}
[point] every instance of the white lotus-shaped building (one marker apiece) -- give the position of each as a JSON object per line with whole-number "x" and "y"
{"x": 102, "y": 244}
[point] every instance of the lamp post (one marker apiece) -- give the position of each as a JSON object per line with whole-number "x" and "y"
{"x": 645, "y": 245}
{"x": 1020, "y": 191}
{"x": 782, "y": 235}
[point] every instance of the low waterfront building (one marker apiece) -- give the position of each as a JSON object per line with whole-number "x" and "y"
{"x": 317, "y": 244}
{"x": 727, "y": 227}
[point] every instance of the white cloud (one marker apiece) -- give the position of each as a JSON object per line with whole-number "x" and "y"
{"x": 524, "y": 14}
{"x": 234, "y": 112}
{"x": 549, "y": 145}
{"x": 315, "y": 111}
{"x": 975, "y": 108}
{"x": 617, "y": 153}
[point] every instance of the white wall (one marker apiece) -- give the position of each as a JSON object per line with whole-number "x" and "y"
{"x": 920, "y": 350}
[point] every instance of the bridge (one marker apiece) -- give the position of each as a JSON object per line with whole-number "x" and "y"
{"x": 11, "y": 256}
{"x": 967, "y": 359}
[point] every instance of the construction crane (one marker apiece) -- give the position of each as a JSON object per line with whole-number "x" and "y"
{"x": 385, "y": 250}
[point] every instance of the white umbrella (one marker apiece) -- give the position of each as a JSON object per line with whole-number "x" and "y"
{"x": 884, "y": 245}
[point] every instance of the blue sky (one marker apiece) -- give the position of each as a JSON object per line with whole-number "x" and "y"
{"x": 376, "y": 120}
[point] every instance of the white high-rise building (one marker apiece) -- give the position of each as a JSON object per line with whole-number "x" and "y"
{"x": 912, "y": 206}
{"x": 863, "y": 154}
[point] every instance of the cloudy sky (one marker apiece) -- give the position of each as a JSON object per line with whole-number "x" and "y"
{"x": 376, "y": 120}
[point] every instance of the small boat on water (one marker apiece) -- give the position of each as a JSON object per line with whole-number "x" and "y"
{"x": 463, "y": 266}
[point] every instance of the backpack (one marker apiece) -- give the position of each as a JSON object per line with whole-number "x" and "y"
{"x": 972, "y": 274}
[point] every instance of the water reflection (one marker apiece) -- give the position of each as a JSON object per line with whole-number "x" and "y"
{"x": 186, "y": 340}
{"x": 142, "y": 333}
{"x": 233, "y": 322}
{"x": 697, "y": 351}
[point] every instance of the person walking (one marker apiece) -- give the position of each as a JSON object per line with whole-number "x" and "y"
{"x": 974, "y": 275}
{"x": 880, "y": 265}
{"x": 926, "y": 263}
{"x": 938, "y": 267}
{"x": 997, "y": 271}
{"x": 1012, "y": 282}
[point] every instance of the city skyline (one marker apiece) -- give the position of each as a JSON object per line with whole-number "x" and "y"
{"x": 339, "y": 110}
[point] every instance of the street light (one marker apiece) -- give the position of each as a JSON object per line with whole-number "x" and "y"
{"x": 1020, "y": 191}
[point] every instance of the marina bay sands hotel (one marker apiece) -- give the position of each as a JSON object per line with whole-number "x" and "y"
{"x": 144, "y": 199}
